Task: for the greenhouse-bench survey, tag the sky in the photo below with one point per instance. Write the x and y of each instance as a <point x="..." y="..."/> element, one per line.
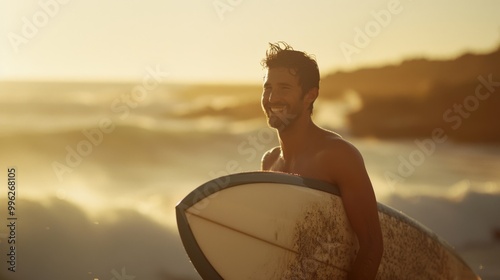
<point x="216" y="41"/>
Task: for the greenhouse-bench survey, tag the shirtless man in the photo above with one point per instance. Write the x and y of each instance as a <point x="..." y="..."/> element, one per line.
<point x="291" y="85"/>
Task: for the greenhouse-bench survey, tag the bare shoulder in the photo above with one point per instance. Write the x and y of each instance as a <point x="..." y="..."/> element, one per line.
<point x="270" y="157"/>
<point x="335" y="145"/>
<point x="342" y="161"/>
<point x="336" y="152"/>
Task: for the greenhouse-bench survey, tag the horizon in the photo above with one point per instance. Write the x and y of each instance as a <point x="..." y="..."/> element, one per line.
<point x="125" y="80"/>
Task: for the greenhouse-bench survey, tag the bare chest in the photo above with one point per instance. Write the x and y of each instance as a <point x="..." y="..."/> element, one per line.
<point x="306" y="167"/>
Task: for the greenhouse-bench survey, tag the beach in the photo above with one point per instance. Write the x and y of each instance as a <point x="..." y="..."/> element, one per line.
<point x="99" y="171"/>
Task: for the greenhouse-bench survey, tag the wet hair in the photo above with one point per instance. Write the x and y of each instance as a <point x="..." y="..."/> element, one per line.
<point x="280" y="54"/>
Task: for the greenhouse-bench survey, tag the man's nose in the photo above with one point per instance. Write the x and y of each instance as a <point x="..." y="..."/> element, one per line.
<point x="273" y="97"/>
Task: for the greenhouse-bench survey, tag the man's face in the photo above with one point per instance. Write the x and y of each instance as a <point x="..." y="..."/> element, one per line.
<point x="282" y="97"/>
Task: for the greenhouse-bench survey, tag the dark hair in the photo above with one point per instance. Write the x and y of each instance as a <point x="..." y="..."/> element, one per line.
<point x="299" y="63"/>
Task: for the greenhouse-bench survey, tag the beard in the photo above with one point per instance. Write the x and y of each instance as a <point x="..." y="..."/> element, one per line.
<point x="280" y="119"/>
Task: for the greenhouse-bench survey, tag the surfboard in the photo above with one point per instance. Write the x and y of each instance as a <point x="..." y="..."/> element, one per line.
<point x="266" y="225"/>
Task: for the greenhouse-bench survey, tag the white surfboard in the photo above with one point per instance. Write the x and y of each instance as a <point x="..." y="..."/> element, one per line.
<point x="264" y="225"/>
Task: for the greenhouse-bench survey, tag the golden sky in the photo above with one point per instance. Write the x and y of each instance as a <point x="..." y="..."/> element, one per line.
<point x="224" y="40"/>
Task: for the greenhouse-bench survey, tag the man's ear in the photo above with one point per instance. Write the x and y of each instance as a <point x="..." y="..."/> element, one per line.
<point x="311" y="95"/>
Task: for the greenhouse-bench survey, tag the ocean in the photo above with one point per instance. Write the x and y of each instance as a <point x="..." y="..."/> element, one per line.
<point x="99" y="168"/>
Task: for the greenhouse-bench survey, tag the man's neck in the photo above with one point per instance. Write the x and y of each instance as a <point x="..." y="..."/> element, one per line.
<point x="293" y="139"/>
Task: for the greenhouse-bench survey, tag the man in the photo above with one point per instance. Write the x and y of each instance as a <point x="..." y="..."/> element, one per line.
<point x="291" y="85"/>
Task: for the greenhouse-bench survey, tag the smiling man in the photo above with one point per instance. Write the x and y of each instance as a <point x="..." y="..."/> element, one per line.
<point x="291" y="85"/>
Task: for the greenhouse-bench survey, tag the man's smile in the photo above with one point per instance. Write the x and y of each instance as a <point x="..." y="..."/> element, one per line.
<point x="278" y="109"/>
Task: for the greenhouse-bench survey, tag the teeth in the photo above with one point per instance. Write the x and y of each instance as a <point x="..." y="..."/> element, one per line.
<point x="278" y="109"/>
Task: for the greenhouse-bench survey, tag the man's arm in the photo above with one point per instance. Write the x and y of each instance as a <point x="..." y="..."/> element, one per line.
<point x="345" y="163"/>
